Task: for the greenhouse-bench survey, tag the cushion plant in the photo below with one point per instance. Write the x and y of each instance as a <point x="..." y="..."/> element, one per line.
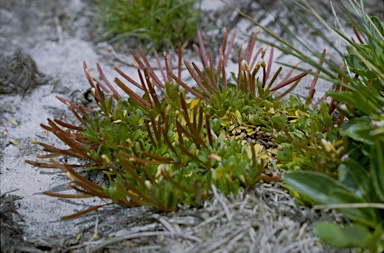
<point x="169" y="143"/>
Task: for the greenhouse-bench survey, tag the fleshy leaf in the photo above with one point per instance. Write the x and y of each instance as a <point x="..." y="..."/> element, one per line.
<point x="348" y="236"/>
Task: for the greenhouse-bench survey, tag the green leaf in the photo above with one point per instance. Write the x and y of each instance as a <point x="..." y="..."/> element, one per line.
<point x="380" y="28"/>
<point x="349" y="236"/>
<point x="324" y="111"/>
<point x="324" y="189"/>
<point x="358" y="129"/>
<point x="316" y="186"/>
<point x="364" y="215"/>
<point x="377" y="168"/>
<point x="355" y="64"/>
<point x="353" y="175"/>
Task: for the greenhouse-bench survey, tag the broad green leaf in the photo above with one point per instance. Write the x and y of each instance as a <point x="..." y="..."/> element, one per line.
<point x="365" y="215"/>
<point x="355" y="64"/>
<point x="353" y="175"/>
<point x="377" y="168"/>
<point x="349" y="236"/>
<point x="358" y="129"/>
<point x="324" y="189"/>
<point x="379" y="26"/>
<point x="316" y="186"/>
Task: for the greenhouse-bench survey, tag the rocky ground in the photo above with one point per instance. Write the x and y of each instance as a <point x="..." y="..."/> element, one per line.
<point x="43" y="44"/>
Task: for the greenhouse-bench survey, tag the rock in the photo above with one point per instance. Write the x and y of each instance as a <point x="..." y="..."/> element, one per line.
<point x="19" y="74"/>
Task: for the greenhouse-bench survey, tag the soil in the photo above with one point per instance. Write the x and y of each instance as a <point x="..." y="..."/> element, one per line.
<point x="43" y="45"/>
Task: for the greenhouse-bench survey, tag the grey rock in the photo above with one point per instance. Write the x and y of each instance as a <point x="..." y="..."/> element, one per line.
<point x="19" y="74"/>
